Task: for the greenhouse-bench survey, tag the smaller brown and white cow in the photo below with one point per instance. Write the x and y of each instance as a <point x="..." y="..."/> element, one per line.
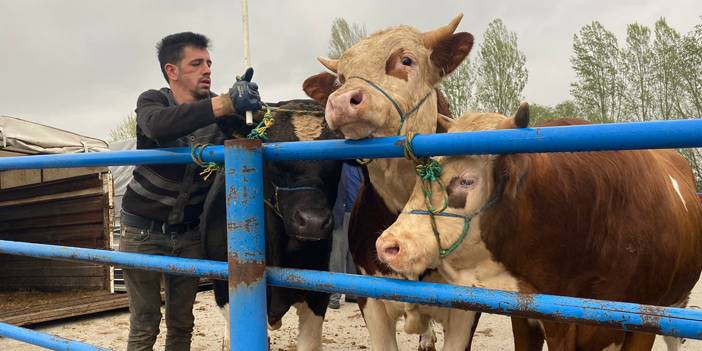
<point x="615" y="225"/>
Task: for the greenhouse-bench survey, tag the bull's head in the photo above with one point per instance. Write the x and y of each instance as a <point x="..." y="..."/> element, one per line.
<point x="385" y="83"/>
<point x="411" y="245"/>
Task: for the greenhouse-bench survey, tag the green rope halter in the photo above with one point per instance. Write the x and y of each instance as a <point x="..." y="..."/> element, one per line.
<point x="429" y="171"/>
<point x="210" y="168"/>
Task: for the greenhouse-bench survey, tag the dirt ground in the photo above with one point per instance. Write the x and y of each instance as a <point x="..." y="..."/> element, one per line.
<point x="343" y="330"/>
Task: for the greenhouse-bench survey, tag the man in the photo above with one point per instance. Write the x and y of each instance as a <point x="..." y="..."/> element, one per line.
<point x="341" y="260"/>
<point x="163" y="203"/>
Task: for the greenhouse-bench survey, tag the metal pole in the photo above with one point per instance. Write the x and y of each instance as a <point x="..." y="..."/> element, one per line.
<point x="614" y="136"/>
<point x="672" y="321"/>
<point x="48" y="341"/>
<point x="247" y="48"/>
<point x="166" y="264"/>
<point x="243" y="161"/>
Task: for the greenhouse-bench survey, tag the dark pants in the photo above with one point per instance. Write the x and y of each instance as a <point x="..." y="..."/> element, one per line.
<point x="144" y="289"/>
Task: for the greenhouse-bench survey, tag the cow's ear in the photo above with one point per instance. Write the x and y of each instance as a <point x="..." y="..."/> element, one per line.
<point x="320" y="86"/>
<point x="443" y="123"/>
<point x="448" y="49"/>
<point x="520" y="119"/>
<point x="450" y="52"/>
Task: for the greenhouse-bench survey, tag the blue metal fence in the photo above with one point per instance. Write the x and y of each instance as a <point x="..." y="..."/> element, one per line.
<point x="246" y="270"/>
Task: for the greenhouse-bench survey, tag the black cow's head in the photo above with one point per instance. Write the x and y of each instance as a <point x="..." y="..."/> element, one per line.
<point x="299" y="195"/>
<point x="302" y="193"/>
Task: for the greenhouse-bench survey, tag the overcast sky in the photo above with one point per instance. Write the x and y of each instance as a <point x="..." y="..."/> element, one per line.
<point x="80" y="65"/>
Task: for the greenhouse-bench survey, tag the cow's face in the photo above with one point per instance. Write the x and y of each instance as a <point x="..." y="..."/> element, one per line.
<point x="409" y="245"/>
<point x="401" y="62"/>
<point x="303" y="192"/>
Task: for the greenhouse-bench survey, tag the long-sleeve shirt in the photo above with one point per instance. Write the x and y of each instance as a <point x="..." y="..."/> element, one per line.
<point x="173" y="193"/>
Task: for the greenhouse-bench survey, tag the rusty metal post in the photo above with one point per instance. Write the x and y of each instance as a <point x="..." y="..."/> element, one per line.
<point x="243" y="161"/>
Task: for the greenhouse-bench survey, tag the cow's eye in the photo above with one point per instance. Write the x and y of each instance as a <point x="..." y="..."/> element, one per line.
<point x="406" y="61"/>
<point x="466" y="182"/>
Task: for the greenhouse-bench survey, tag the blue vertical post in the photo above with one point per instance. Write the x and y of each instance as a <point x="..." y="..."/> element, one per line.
<point x="246" y="244"/>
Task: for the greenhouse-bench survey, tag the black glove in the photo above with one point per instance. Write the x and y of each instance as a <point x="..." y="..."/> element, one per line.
<point x="244" y="94"/>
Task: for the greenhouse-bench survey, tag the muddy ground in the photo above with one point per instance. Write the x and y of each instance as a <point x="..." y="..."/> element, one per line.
<point x="343" y="330"/>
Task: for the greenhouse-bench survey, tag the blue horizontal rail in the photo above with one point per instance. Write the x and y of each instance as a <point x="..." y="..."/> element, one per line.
<point x="598" y="137"/>
<point x="627" y="316"/>
<point x="44" y="340"/>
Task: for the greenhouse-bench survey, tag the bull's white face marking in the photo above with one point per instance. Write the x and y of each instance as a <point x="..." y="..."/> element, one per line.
<point x="310" y="328"/>
<point x="307" y="127"/>
<point x="676" y="186"/>
<point x="472" y="265"/>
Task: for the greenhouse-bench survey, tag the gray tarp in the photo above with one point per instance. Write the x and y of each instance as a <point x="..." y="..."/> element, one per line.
<point x="32" y="138"/>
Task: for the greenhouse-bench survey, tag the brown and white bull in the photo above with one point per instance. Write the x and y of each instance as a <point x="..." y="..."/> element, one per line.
<point x="616" y="225"/>
<point x="384" y="86"/>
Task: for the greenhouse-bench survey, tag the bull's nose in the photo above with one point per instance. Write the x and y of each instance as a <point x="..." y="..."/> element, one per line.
<point x="345" y="107"/>
<point x="388" y="248"/>
<point x="313" y="223"/>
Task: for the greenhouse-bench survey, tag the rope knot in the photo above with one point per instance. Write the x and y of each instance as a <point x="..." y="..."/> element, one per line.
<point x="260" y="131"/>
<point x="429" y="170"/>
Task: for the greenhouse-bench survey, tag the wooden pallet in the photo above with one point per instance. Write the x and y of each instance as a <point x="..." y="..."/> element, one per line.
<point x="32" y="308"/>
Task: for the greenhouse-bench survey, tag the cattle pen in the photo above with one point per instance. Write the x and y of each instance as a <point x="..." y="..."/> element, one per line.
<point x="248" y="275"/>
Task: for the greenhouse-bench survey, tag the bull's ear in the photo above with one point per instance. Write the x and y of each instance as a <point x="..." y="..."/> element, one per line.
<point x="320" y="86"/>
<point x="443" y="123"/>
<point x="449" y="53"/>
<point x="520" y="119"/>
<point x="448" y="49"/>
<point x="330" y="64"/>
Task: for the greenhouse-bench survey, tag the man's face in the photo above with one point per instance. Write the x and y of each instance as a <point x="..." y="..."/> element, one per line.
<point x="193" y="72"/>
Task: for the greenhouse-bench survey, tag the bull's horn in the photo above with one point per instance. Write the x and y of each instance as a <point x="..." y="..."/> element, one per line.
<point x="430" y="39"/>
<point x="330" y="64"/>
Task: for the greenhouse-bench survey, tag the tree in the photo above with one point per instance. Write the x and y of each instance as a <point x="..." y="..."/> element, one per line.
<point x="598" y="90"/>
<point x="501" y="70"/>
<point x="637" y="67"/>
<point x="691" y="73"/>
<point x="666" y="71"/>
<point x="343" y="36"/>
<point x="459" y="88"/>
<point x="125" y="129"/>
<point x="567" y="108"/>
<point x="539" y="112"/>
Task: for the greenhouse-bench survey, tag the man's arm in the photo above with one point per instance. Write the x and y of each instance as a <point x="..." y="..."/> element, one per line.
<point x="161" y="122"/>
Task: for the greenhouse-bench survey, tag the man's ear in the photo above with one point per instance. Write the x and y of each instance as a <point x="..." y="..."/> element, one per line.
<point x="320" y="86"/>
<point x="171" y="71"/>
<point x="443" y="123"/>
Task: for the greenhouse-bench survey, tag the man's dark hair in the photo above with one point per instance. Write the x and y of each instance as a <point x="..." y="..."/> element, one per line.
<point x="170" y="48"/>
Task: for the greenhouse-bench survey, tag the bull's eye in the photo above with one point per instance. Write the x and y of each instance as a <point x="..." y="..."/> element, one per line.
<point x="406" y="61"/>
<point x="466" y="182"/>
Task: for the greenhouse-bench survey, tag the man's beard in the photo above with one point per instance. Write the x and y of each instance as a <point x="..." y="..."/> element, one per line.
<point x="201" y="94"/>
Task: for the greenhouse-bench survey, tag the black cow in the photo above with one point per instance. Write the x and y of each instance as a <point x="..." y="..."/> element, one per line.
<point x="299" y="197"/>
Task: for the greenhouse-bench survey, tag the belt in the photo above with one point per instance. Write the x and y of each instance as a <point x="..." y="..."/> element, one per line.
<point x="140" y="222"/>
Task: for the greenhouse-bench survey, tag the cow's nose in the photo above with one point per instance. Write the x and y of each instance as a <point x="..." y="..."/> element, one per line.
<point x="313" y="223"/>
<point x="388" y="248"/>
<point x="347" y="104"/>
